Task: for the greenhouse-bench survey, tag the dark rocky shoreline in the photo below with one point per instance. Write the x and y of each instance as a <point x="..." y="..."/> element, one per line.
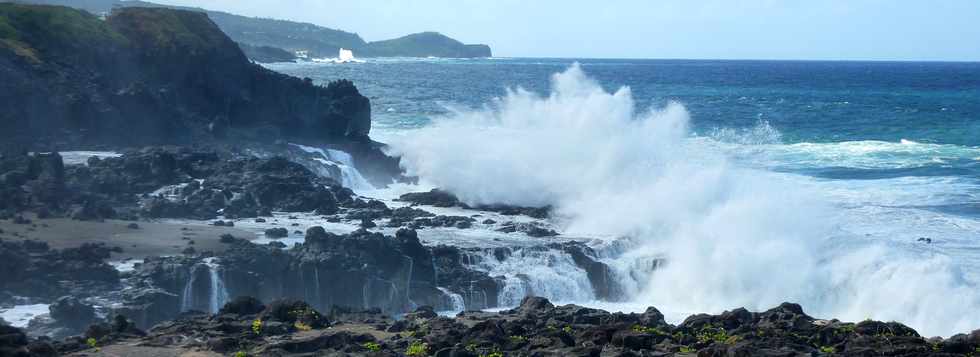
<point x="224" y="134"/>
<point x="246" y="327"/>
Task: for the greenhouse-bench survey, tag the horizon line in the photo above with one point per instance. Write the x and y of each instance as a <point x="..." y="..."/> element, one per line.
<point x="741" y="59"/>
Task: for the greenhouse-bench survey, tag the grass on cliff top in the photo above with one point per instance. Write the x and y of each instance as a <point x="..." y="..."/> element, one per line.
<point x="168" y="30"/>
<point x="30" y="30"/>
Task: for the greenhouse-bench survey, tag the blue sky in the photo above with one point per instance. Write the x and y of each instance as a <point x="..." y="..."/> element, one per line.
<point x="708" y="29"/>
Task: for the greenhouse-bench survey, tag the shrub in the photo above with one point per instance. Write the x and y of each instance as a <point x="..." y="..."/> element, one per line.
<point x="649" y="330"/>
<point x="418" y="349"/>
<point x="257" y="326"/>
<point x="92" y="343"/>
<point x="299" y="325"/>
<point x="372" y="346"/>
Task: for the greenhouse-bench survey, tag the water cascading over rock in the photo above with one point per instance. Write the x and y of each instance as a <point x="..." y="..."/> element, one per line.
<point x="208" y="294"/>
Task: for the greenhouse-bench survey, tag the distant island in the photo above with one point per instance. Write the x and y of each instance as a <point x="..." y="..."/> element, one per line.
<point x="271" y="40"/>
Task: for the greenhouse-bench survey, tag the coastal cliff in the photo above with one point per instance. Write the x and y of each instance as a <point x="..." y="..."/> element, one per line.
<point x="317" y="41"/>
<point x="153" y="75"/>
<point x="424" y="44"/>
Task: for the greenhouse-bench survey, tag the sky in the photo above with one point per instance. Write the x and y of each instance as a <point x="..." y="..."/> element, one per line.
<point x="945" y="30"/>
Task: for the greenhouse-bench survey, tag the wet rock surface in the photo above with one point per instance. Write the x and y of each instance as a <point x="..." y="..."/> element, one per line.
<point x="166" y="182"/>
<point x="30" y="269"/>
<point x="441" y="198"/>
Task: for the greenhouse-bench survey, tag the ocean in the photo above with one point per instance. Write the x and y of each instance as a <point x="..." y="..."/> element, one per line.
<point x="852" y="188"/>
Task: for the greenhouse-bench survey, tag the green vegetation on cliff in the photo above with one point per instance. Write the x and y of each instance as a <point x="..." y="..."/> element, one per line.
<point x="424" y="44"/>
<point x="293" y="36"/>
<point x="152" y="75"/>
<point x="40" y="32"/>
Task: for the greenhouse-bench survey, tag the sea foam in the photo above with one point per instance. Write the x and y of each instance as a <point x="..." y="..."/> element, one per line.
<point x="731" y="235"/>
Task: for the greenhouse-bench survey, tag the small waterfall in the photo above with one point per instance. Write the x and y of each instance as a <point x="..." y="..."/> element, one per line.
<point x="187" y="302"/>
<point x="408" y="283"/>
<point x="364" y="295"/>
<point x="456" y="301"/>
<point x="302" y="282"/>
<point x="316" y="275"/>
<point x="514" y="291"/>
<point x="435" y="270"/>
<point x="219" y="294"/>
<point x="392" y="293"/>
<point x="349" y="176"/>
<point x="543" y="272"/>
<point x="352" y="177"/>
<point x="477" y="297"/>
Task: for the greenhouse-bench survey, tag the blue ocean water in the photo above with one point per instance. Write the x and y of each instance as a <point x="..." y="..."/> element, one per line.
<point x="807" y="101"/>
<point x="892" y="147"/>
<point x="871" y="108"/>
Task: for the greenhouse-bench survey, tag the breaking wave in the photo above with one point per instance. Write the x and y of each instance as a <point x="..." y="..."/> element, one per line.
<point x="732" y="234"/>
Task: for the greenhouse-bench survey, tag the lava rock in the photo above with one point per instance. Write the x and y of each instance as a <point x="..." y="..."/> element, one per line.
<point x="277" y="233"/>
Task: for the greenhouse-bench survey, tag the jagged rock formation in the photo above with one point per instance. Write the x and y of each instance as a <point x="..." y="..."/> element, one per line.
<point x="165" y="182"/>
<point x="30" y="269"/>
<point x="266" y="54"/>
<point x="535" y="328"/>
<point x="440" y="198"/>
<point x="360" y="270"/>
<point x="68" y="78"/>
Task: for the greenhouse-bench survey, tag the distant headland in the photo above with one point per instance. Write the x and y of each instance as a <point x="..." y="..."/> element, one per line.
<point x="260" y="38"/>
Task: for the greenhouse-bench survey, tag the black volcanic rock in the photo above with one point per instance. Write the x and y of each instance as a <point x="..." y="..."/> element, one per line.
<point x="277" y="232"/>
<point x="266" y="54"/>
<point x="435" y="197"/>
<point x="535" y="328"/>
<point x="362" y="269"/>
<point x="441" y="198"/>
<point x="31" y="269"/>
<point x="69" y="311"/>
<point x="152" y="75"/>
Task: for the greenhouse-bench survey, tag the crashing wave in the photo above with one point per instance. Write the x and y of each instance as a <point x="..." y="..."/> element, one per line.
<point x="730" y="234"/>
<point x="343" y="56"/>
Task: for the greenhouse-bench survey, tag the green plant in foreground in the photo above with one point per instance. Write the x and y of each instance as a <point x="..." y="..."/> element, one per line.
<point x="567" y="329"/>
<point x="649" y="330"/>
<point x="257" y="326"/>
<point x="418" y="349"/>
<point x="827" y="349"/>
<point x="712" y="334"/>
<point x="299" y="325"/>
<point x="685" y="349"/>
<point x="241" y="354"/>
<point x="494" y="354"/>
<point x="372" y="346"/>
<point x="92" y="343"/>
<point x="518" y="339"/>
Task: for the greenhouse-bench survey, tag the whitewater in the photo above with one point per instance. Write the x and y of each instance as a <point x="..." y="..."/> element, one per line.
<point x="732" y="222"/>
